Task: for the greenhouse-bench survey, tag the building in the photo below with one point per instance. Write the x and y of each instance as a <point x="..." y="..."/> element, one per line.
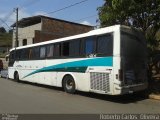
<point x="41" y="28"/>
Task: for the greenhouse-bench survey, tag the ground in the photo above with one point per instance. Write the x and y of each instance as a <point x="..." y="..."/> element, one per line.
<point x="25" y="98"/>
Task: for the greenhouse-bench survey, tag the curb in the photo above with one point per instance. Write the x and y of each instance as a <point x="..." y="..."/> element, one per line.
<point x="155" y="97"/>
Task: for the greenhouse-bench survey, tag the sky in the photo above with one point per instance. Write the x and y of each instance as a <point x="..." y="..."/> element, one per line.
<point x="84" y="13"/>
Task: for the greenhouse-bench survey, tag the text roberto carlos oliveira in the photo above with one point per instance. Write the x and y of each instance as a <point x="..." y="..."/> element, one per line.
<point x="129" y="116"/>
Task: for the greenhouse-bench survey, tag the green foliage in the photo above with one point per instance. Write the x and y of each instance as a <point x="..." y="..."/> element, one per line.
<point x="143" y="14"/>
<point x="158" y="36"/>
<point x="2" y="55"/>
<point x="2" y="30"/>
<point x="5" y="39"/>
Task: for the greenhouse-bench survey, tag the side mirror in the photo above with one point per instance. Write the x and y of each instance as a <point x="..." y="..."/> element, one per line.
<point x="6" y="58"/>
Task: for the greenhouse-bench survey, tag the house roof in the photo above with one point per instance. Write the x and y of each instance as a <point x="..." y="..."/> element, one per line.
<point x="24" y="22"/>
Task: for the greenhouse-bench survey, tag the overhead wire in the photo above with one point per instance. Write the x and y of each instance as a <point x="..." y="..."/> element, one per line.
<point x="91" y="16"/>
<point x="88" y="17"/>
<point x="7" y="16"/>
<point x="5" y="19"/>
<point x="5" y="23"/>
<point x="61" y="9"/>
<point x="66" y="7"/>
<point x="21" y="7"/>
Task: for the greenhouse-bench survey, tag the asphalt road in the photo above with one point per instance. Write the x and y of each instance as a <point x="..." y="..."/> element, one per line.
<point x="25" y="98"/>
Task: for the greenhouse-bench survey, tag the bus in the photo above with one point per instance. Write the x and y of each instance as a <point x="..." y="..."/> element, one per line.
<point x="110" y="60"/>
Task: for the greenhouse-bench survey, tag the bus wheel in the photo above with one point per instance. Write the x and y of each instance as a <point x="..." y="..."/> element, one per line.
<point x="16" y="76"/>
<point x="69" y="84"/>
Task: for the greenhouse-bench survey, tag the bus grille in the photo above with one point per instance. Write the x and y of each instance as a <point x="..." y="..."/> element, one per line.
<point x="99" y="81"/>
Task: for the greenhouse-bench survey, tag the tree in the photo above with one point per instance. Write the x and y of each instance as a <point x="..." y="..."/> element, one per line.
<point x="11" y="31"/>
<point x="2" y="30"/>
<point x="143" y="14"/>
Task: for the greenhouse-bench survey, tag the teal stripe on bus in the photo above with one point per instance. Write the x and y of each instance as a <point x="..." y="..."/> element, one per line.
<point x="77" y="66"/>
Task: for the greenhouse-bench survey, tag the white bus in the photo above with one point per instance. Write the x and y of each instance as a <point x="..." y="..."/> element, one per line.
<point x="109" y="60"/>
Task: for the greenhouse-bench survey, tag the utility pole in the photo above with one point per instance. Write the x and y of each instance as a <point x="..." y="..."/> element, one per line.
<point x="16" y="44"/>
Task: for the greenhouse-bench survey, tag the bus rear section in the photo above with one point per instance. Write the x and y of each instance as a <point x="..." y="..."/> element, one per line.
<point x="133" y="72"/>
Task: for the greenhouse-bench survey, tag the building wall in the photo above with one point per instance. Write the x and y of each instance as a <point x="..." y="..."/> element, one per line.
<point x="48" y="29"/>
<point x="41" y="36"/>
<point x="26" y="33"/>
<point x="53" y="29"/>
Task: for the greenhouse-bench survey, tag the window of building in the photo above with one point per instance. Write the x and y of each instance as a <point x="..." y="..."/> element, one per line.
<point x="24" y="42"/>
<point x="42" y="52"/>
<point x="33" y="40"/>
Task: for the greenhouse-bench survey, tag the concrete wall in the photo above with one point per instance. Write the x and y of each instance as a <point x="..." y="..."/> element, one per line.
<point x="26" y="33"/>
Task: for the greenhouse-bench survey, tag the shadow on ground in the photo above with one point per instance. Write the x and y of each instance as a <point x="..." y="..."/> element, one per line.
<point x="154" y="87"/>
<point x="123" y="99"/>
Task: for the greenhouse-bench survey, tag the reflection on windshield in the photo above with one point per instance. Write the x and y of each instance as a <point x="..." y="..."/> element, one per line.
<point x="132" y="46"/>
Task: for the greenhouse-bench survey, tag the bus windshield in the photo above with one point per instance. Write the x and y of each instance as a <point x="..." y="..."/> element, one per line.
<point x="133" y="56"/>
<point x="132" y="45"/>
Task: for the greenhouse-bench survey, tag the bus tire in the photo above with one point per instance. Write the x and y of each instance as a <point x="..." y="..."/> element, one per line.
<point x="69" y="84"/>
<point x="16" y="76"/>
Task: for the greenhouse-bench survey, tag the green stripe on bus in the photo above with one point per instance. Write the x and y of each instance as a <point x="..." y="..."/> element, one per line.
<point x="77" y="66"/>
<point x="68" y="69"/>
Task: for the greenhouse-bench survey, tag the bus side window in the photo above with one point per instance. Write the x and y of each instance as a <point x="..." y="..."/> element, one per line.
<point x="18" y="54"/>
<point x="36" y="53"/>
<point x="74" y="48"/>
<point x="105" y="45"/>
<point x="89" y="45"/>
<point x="50" y="50"/>
<point x="31" y="54"/>
<point x="25" y="54"/>
<point x="65" y="49"/>
<point x="42" y="52"/>
<point x="57" y="50"/>
<point x="11" y="58"/>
